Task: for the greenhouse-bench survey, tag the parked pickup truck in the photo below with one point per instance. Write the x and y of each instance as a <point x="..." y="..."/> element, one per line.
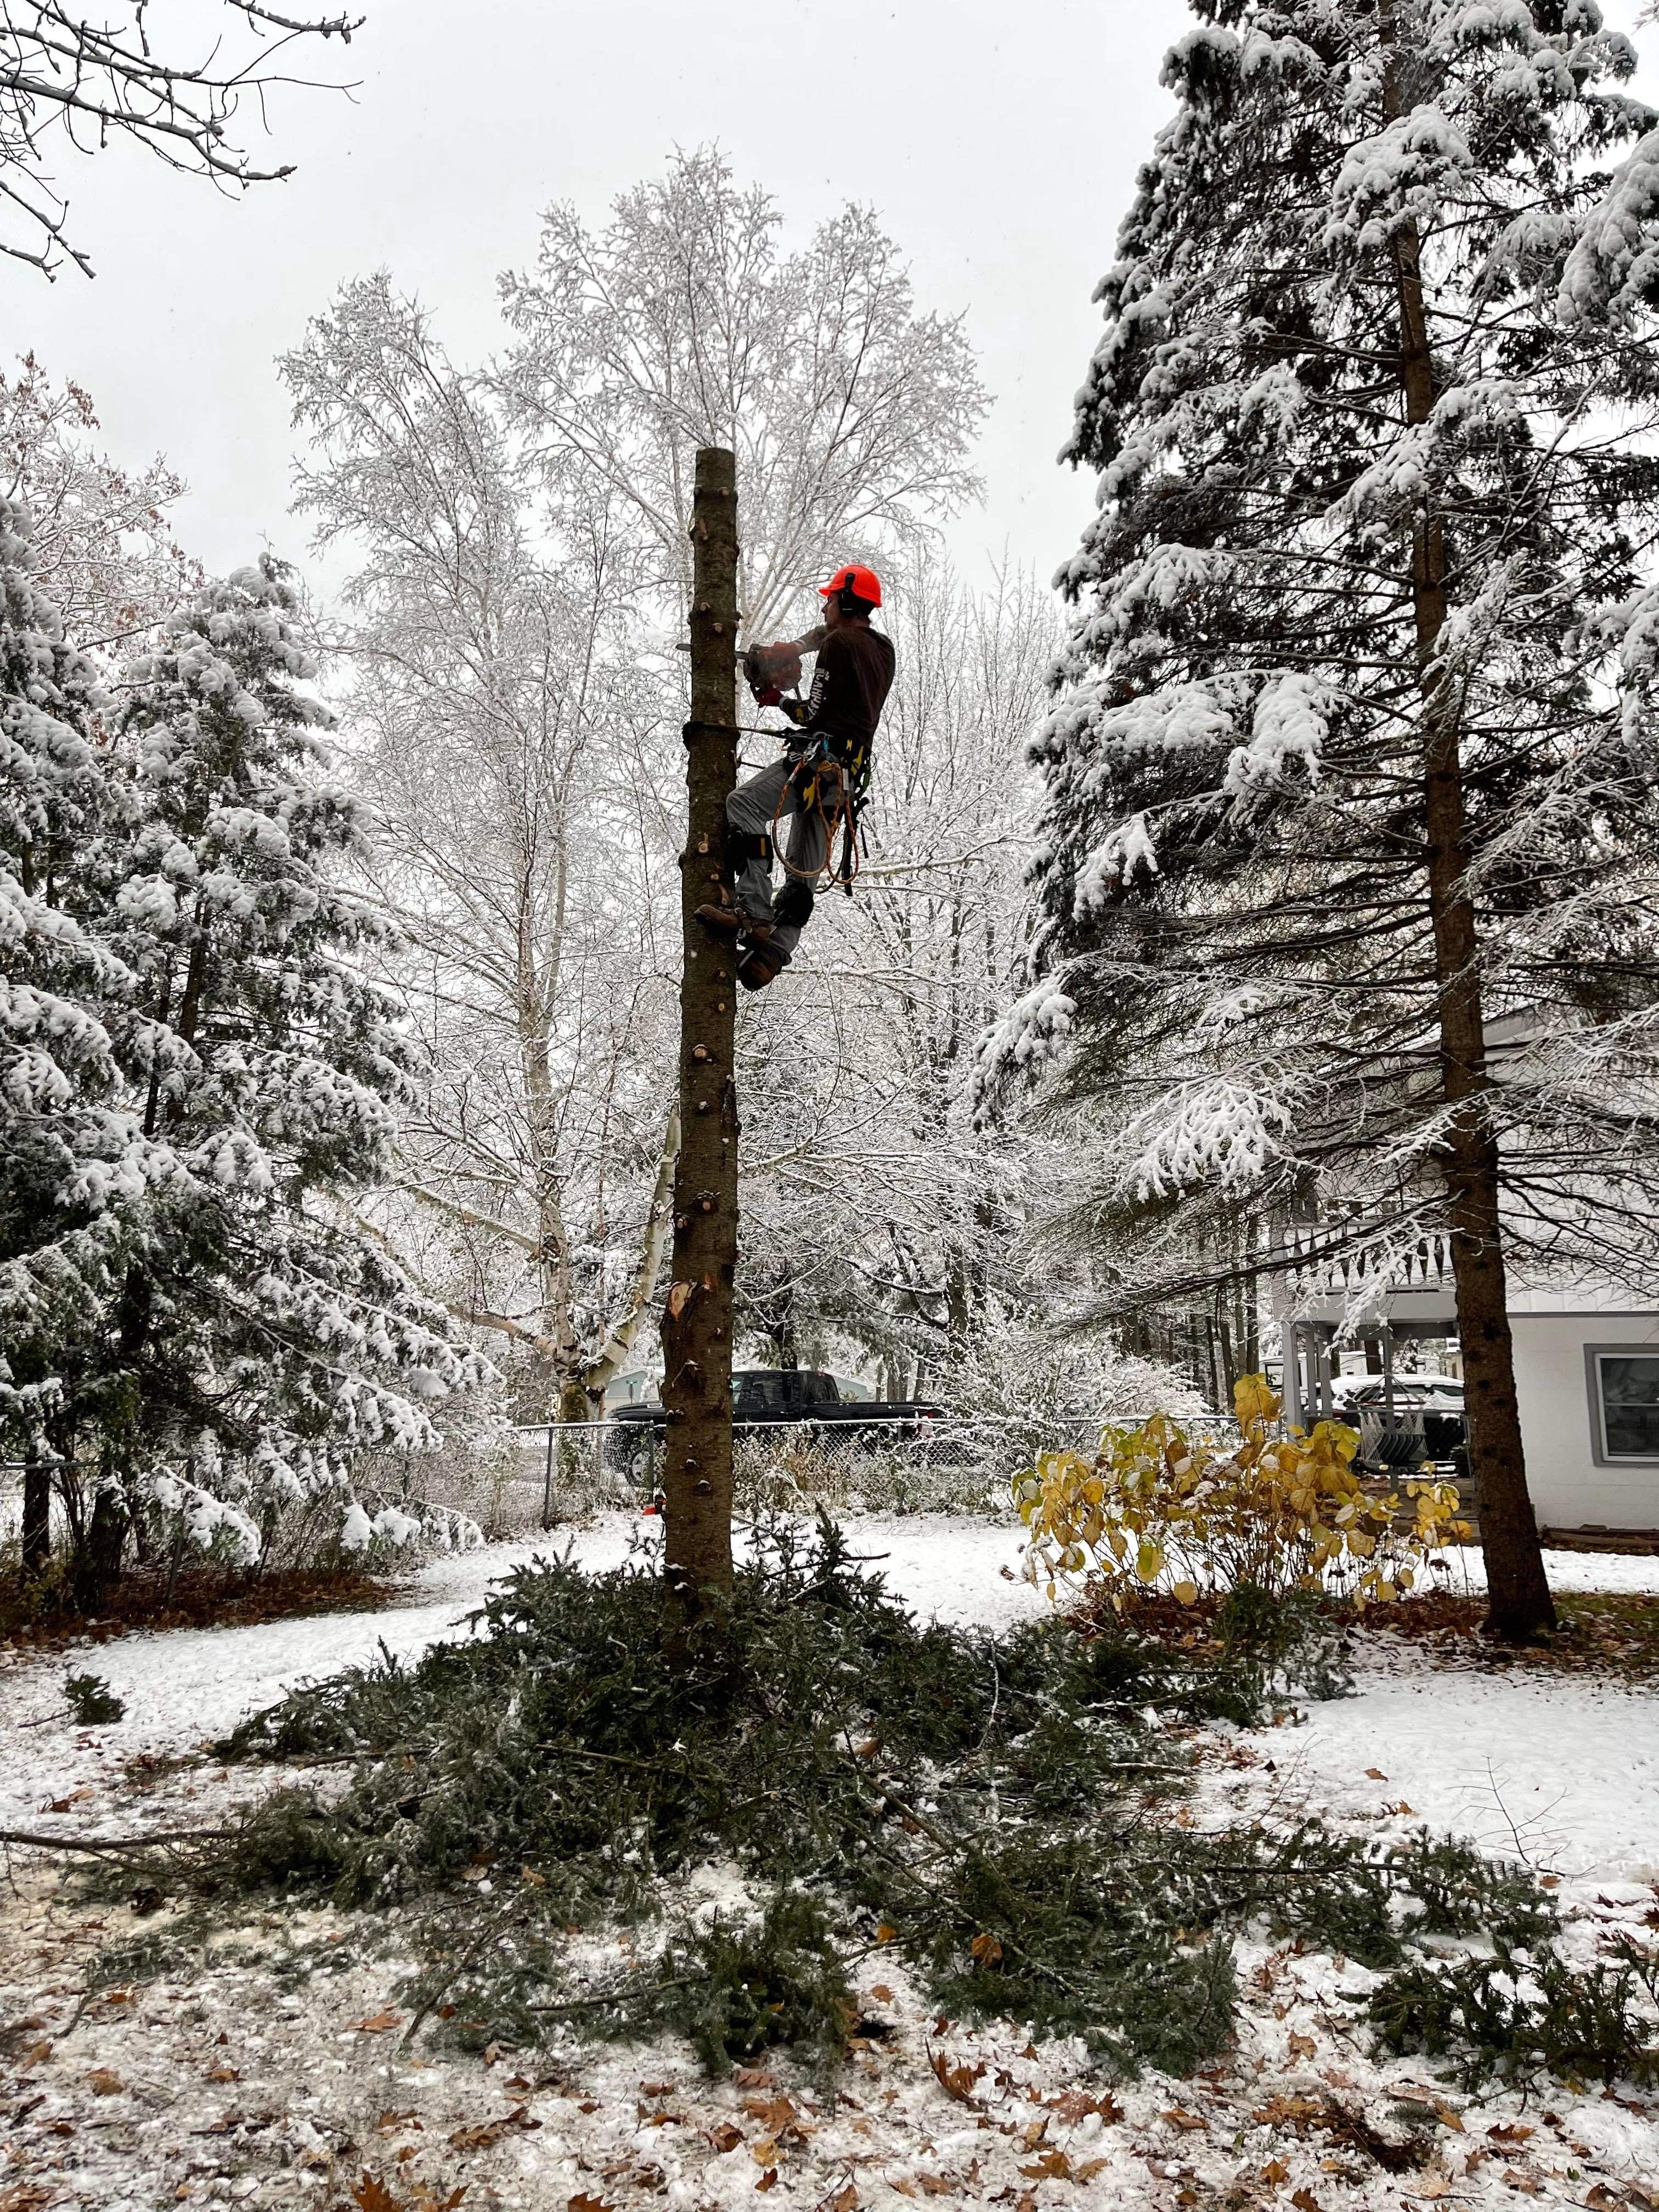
<point x="768" y="1396"/>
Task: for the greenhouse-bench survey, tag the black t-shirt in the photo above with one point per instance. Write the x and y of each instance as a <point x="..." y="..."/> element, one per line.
<point x="850" y="684"/>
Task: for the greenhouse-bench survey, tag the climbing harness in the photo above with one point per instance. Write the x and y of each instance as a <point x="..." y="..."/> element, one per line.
<point x="818" y="765"/>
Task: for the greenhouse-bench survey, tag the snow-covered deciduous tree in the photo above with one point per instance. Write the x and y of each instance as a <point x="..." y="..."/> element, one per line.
<point x="683" y="324"/>
<point x="1352" y="821"/>
<point x="517" y="753"/>
<point x="872" y="1205"/>
<point x="103" y="549"/>
<point x="70" y="1155"/>
<point x="258" y="1335"/>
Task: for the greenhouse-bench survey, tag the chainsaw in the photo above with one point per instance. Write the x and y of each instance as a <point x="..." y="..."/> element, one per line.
<point x="770" y="671"/>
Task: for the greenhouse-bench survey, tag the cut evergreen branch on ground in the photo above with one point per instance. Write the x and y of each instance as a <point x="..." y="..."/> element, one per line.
<point x="549" y="1808"/>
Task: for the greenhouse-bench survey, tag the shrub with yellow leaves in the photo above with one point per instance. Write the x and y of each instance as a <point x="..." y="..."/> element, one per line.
<point x="1283" y="1510"/>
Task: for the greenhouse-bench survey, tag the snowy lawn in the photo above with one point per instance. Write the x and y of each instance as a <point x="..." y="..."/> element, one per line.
<point x="233" y="2081"/>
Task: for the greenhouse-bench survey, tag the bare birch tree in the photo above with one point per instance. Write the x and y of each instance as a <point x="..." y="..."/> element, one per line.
<point x="683" y="324"/>
<point x="514" y="753"/>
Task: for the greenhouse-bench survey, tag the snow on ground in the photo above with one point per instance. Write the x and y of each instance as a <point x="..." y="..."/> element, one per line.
<point x="1560" y="1771"/>
<point x="184" y="1686"/>
<point x="235" y="2079"/>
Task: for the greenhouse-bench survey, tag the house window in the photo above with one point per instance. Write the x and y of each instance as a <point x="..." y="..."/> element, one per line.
<point x="1624" y="1388"/>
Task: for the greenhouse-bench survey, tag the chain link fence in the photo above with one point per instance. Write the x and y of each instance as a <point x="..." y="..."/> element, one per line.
<point x="546" y="1475"/>
<point x="899" y="1463"/>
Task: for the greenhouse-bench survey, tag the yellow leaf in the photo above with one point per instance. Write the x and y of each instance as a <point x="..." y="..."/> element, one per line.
<point x="1149" y="1561"/>
<point x="1186" y="1593"/>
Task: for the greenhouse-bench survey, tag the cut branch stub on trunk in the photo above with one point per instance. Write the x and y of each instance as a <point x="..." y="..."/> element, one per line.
<point x="696" y="1329"/>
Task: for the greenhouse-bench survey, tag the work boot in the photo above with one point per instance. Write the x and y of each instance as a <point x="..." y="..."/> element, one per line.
<point x="731" y="922"/>
<point x="762" y="963"/>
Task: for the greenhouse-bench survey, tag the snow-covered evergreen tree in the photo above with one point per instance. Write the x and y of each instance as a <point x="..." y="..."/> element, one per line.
<point x="1353" y="812"/>
<point x="260" y="1335"/>
<point x="69" y="1153"/>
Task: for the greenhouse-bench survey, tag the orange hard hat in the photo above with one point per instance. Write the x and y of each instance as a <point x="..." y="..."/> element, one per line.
<point x="863" y="583"/>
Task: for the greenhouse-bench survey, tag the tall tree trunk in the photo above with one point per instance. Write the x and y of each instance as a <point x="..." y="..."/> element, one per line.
<point x="1518" y="1592"/>
<point x="696" y="1329"/>
<point x="37" y="1518"/>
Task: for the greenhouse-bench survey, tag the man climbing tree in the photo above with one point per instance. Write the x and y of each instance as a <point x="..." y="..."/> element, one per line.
<point x="820" y="783"/>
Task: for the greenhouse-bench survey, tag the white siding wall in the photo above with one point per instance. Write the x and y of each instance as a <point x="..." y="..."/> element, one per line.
<point x="1568" y="1490"/>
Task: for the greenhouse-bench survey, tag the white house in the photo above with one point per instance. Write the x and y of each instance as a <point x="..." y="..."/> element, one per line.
<point x="1587" y="1375"/>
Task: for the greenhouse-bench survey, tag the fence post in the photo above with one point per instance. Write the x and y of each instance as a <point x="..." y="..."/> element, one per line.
<point x="547" y="1485"/>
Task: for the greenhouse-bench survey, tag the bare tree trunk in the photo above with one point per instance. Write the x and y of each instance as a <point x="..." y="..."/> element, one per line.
<point x="609" y="1360"/>
<point x="37" y="1518"/>
<point x="1518" y="1595"/>
<point x="696" y="1329"/>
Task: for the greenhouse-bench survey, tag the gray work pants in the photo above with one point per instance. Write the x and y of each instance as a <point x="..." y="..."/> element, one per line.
<point x="751" y="809"/>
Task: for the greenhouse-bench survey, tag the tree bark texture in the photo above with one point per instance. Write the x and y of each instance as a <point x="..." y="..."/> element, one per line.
<point x="37" y="1518"/>
<point x="1518" y="1595"/>
<point x="696" y="1329"/>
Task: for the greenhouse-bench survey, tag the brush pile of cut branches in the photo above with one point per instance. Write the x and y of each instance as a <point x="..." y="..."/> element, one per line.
<point x="546" y="1803"/>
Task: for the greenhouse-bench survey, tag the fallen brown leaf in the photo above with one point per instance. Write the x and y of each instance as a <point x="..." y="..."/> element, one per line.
<point x="105" y="2081"/>
<point x="956" y="2082"/>
<point x="1053" y="2166"/>
<point x="1075" y="2105"/>
<point x="881" y="1993"/>
<point x="726" y="2137"/>
<point x="769" y="2179"/>
<point x="377" y="2023"/>
<point x="1180" y="2119"/>
<point x="1305" y="2200"/>
<point x="490" y="2132"/>
<point x="1275" y="2170"/>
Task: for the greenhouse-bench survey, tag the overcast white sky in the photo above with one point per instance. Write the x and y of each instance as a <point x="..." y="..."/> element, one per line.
<point x="998" y="138"/>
